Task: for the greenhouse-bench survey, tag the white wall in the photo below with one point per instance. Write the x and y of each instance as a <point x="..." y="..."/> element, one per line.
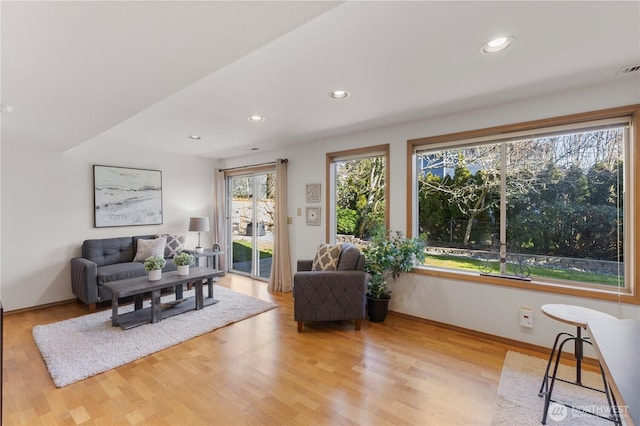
<point x="47" y="200"/>
<point x="55" y="191"/>
<point x="485" y="308"/>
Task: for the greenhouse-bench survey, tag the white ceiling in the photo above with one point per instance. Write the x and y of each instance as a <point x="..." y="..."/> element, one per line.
<point x="152" y="73"/>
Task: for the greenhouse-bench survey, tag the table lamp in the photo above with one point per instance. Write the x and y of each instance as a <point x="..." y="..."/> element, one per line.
<point x="199" y="224"/>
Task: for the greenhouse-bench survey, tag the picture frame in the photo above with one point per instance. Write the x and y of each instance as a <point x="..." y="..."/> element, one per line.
<point x="313" y="216"/>
<point x="124" y="196"/>
<point x="313" y="192"/>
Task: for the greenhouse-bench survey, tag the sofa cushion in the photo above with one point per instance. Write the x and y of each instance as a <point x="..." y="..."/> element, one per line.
<point x="348" y="258"/>
<point x="327" y="257"/>
<point x="149" y="248"/>
<point x="120" y="271"/>
<point x="108" y="251"/>
<point x="169" y="266"/>
<point x="174" y="245"/>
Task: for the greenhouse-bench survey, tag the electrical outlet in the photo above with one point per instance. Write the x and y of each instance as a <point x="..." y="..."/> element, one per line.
<point x="299" y="211"/>
<point x="526" y="317"/>
<point x="289" y="220"/>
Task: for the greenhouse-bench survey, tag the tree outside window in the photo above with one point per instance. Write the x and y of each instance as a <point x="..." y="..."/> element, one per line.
<point x="553" y="203"/>
<point x="358" y="198"/>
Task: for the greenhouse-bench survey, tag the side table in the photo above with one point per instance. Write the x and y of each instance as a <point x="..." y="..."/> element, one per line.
<point x="208" y="254"/>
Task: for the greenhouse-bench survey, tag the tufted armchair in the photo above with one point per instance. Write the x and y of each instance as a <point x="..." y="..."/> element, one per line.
<point x="331" y="295"/>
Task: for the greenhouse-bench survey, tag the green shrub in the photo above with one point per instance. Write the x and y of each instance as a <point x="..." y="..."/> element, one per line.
<point x="347" y="221"/>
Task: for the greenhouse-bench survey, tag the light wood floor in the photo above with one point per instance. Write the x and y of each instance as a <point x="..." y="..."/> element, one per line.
<point x="262" y="371"/>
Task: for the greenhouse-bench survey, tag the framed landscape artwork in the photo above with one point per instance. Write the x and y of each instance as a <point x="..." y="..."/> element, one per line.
<point x="126" y="197"/>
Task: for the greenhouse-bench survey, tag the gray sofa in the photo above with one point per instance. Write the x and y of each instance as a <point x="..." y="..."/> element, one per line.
<point x="331" y="295"/>
<point x="106" y="260"/>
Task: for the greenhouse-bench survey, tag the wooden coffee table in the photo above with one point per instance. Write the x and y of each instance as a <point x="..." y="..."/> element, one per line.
<point x="137" y="286"/>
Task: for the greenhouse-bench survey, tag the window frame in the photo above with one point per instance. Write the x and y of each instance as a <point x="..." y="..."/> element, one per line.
<point x="365" y="152"/>
<point x="630" y="295"/>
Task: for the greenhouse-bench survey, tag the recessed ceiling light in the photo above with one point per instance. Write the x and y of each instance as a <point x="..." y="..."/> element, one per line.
<point x="497" y="44"/>
<point x="256" y="118"/>
<point x="340" y="94"/>
<point x="195" y="137"/>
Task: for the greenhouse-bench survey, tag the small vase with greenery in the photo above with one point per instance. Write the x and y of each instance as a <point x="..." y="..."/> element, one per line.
<point x="154" y="265"/>
<point x="388" y="256"/>
<point x="182" y="261"/>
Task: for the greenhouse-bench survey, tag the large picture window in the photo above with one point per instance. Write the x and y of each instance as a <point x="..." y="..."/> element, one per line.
<point x="542" y="204"/>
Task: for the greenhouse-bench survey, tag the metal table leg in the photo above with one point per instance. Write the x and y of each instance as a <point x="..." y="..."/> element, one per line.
<point x="578" y="348"/>
<point x="548" y="388"/>
<point x="545" y="380"/>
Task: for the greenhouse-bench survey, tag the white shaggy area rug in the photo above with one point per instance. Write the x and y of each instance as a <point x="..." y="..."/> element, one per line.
<point x="517" y="401"/>
<point x="82" y="347"/>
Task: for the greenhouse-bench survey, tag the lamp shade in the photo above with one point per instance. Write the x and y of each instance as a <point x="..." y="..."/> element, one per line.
<point x="200" y="224"/>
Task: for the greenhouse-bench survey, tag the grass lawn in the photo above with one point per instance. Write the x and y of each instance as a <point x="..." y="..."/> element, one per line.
<point x="242" y="251"/>
<point x="470" y="264"/>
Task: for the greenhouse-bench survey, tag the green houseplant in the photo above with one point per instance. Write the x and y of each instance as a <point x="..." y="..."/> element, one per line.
<point x="388" y="256"/>
<point x="154" y="265"/>
<point x="182" y="261"/>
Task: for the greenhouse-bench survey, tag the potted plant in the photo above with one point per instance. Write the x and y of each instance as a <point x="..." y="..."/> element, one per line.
<point x="388" y="256"/>
<point x="182" y="261"/>
<point x="154" y="265"/>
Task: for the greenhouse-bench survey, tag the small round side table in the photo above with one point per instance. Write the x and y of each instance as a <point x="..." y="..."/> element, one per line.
<point x="578" y="317"/>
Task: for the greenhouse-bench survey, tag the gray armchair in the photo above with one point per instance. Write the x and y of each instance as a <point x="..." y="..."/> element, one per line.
<point x="331" y="295"/>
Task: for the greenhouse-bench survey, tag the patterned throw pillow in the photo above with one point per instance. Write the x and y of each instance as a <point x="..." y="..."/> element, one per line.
<point x="327" y="257"/>
<point x="148" y="248"/>
<point x="175" y="245"/>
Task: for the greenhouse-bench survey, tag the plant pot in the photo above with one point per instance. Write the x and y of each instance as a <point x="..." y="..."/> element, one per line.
<point x="155" y="275"/>
<point x="377" y="309"/>
<point x="183" y="269"/>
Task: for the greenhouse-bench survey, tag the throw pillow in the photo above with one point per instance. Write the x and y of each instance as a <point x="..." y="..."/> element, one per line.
<point x="327" y="257"/>
<point x="349" y="258"/>
<point x="148" y="248"/>
<point x="174" y="246"/>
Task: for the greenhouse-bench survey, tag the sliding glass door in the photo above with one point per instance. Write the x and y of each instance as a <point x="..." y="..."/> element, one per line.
<point x="251" y="214"/>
